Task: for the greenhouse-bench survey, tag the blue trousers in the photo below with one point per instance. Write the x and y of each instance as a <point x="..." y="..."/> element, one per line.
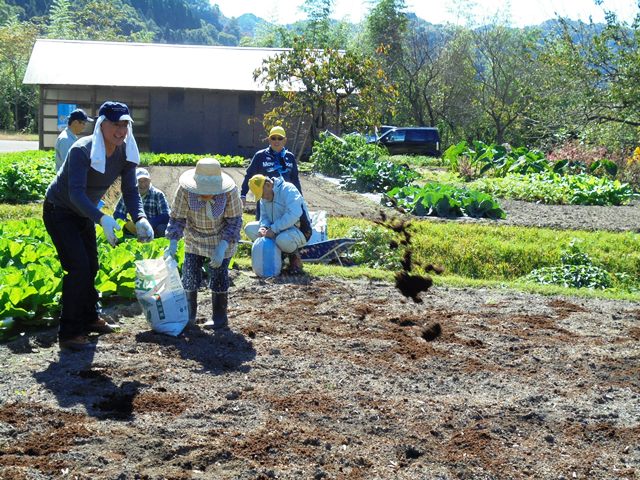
<point x="75" y="240"/>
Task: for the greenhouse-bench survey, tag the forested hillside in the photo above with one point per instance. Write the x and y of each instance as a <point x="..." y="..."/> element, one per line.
<point x="560" y="85"/>
<point x="172" y="21"/>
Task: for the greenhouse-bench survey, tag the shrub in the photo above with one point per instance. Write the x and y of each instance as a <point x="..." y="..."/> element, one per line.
<point x="25" y="176"/>
<point x="630" y="171"/>
<point x="333" y="155"/>
<point x="577" y="153"/>
<point x="377" y="176"/>
<point x="373" y="248"/>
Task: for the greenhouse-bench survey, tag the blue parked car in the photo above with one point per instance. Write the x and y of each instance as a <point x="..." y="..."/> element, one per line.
<point x="409" y="140"/>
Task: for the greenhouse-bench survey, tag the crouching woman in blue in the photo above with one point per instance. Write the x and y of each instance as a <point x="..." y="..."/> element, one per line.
<point x="207" y="212"/>
<point x="284" y="217"/>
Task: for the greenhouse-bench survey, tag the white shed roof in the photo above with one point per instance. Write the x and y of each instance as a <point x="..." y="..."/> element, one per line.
<point x="74" y="62"/>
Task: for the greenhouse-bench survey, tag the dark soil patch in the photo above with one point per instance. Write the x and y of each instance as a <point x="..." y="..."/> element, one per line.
<point x="335" y="379"/>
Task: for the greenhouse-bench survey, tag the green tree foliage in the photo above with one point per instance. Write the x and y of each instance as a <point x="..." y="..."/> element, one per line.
<point x="7" y="12"/>
<point x="318" y="22"/>
<point x="61" y="23"/>
<point x="608" y="65"/>
<point x="386" y="26"/>
<point x="16" y="100"/>
<point x="503" y="67"/>
<point x="329" y="88"/>
<point x="110" y="20"/>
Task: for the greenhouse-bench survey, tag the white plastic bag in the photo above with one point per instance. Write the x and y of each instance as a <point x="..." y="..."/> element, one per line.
<point x="160" y="293"/>
<point x="266" y="257"/>
<point x="319" y="227"/>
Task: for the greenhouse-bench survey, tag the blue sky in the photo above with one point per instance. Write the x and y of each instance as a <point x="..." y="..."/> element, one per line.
<point x="520" y="12"/>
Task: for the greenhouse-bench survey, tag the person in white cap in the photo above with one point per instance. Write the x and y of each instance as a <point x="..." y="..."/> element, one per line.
<point x="70" y="212"/>
<point x="154" y="203"/>
<point x="207" y="212"/>
<point x="75" y="125"/>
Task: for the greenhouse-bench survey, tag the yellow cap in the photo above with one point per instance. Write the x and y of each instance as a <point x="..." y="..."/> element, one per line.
<point x="256" y="184"/>
<point x="277" y="131"/>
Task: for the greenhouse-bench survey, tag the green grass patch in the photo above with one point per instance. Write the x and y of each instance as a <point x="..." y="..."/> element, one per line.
<point x="520" y="286"/>
<point x="20" y="212"/>
<point x="508" y="253"/>
<point x="29" y="137"/>
<point x="417" y="160"/>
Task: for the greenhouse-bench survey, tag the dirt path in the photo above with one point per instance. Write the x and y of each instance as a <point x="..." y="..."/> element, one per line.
<point x="319" y="194"/>
<point x="323" y="195"/>
<point x="321" y="378"/>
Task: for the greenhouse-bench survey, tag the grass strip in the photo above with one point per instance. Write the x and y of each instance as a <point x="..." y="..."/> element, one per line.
<point x="506" y="253"/>
<point x="22" y="211"/>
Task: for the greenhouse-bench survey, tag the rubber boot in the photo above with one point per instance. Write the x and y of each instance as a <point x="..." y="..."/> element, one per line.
<point x="192" y="303"/>
<point x="295" y="264"/>
<point x="219" y="319"/>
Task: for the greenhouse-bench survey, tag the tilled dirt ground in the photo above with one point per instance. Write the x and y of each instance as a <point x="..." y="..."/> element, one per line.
<point x="322" y="378"/>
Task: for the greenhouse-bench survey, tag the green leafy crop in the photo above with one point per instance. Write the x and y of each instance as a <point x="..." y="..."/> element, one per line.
<point x="25" y="176"/>
<point x="553" y="188"/>
<point x="441" y="200"/>
<point x="187" y="159"/>
<point x="31" y="275"/>
<point x="576" y="270"/>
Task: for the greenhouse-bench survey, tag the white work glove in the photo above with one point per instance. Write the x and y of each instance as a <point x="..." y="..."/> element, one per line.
<point x="109" y="225"/>
<point x="218" y="254"/>
<point x="144" y="230"/>
<point x="170" y="251"/>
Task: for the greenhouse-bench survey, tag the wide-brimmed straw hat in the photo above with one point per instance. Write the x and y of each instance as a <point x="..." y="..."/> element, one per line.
<point x="207" y="178"/>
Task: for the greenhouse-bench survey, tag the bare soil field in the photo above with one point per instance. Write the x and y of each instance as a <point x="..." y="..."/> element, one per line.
<point x="320" y="378"/>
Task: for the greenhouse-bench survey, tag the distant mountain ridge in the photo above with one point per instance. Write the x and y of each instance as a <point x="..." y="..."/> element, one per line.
<point x="198" y="22"/>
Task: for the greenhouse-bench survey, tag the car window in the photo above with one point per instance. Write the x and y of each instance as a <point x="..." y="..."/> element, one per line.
<point x="422" y="136"/>
<point x="396" y="136"/>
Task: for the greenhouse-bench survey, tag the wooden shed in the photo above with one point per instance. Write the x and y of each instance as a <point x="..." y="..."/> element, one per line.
<point x="183" y="98"/>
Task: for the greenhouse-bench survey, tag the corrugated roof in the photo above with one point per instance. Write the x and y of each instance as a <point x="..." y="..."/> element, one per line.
<point x="74" y="62"/>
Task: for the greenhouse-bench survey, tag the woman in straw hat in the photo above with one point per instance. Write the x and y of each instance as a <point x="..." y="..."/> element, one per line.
<point x="207" y="212"/>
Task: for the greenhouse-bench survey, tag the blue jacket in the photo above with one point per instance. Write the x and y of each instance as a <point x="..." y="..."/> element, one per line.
<point x="274" y="165"/>
<point x="286" y="210"/>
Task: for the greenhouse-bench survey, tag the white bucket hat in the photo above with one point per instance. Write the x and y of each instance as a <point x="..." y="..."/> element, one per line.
<point x="207" y="178"/>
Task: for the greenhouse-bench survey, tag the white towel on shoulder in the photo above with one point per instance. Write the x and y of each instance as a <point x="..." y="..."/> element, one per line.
<point x="99" y="151"/>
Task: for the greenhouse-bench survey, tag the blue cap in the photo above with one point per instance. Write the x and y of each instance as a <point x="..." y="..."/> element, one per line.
<point x="115" y="111"/>
<point x="79" y="114"/>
